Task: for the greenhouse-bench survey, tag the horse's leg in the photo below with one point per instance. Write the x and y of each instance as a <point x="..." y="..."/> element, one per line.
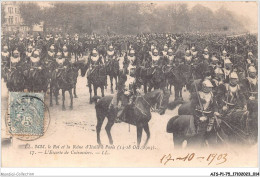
<point x="63" y="100"/>
<point x="90" y="92"/>
<point x="95" y="91"/>
<point x="145" y="87"/>
<point x="181" y="93"/>
<point x="139" y="134"/>
<point x="100" y="120"/>
<point x="176" y="92"/>
<point x="111" y="84"/>
<point x="102" y="91"/>
<point x="108" y="127"/>
<point x="147" y="131"/>
<point x="71" y="99"/>
<point x="116" y="81"/>
<point x="56" y="93"/>
<point x="51" y="90"/>
<point x="74" y="91"/>
<point x="177" y="140"/>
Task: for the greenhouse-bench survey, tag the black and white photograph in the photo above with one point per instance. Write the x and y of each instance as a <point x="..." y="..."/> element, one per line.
<point x="129" y="84"/>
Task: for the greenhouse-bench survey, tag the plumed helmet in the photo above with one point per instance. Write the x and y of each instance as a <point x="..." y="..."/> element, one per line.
<point x="224" y="51"/>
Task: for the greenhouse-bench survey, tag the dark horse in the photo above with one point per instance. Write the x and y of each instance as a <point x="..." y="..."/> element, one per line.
<point x="112" y="70"/>
<point x="139" y="114"/>
<point x="179" y="77"/>
<point x="95" y="77"/>
<point x="157" y="79"/>
<point x="185" y="127"/>
<point x="63" y="79"/>
<point x="15" y="80"/>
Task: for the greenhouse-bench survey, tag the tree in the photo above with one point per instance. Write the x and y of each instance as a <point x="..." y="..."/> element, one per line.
<point x="31" y="13"/>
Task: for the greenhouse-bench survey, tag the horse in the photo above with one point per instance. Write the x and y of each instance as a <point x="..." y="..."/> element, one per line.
<point x="157" y="80"/>
<point x="185" y="127"/>
<point x="179" y="77"/>
<point x="37" y="79"/>
<point x="15" y="80"/>
<point x="96" y="77"/>
<point x="63" y="79"/>
<point x="139" y="114"/>
<point x="112" y="70"/>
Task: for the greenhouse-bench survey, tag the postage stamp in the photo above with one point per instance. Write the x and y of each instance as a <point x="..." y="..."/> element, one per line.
<point x="26" y="113"/>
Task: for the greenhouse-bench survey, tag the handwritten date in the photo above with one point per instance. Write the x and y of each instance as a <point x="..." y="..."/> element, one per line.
<point x="215" y="158"/>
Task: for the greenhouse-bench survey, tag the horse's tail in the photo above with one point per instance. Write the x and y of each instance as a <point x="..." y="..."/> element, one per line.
<point x="170" y="124"/>
<point x="174" y="104"/>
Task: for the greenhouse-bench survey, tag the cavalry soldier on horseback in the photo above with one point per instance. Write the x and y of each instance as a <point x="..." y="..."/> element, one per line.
<point x="250" y="84"/>
<point x="204" y="107"/>
<point x="206" y="54"/>
<point x="233" y="100"/>
<point x="193" y="52"/>
<point x="250" y="88"/>
<point x="170" y="58"/>
<point x="110" y="55"/>
<point x="165" y="51"/>
<point x="95" y="60"/>
<point x="15" y="67"/>
<point x="188" y="57"/>
<point x="224" y="57"/>
<point x="251" y="60"/>
<point x="66" y="54"/>
<point x="28" y="53"/>
<point x="51" y="53"/>
<point x="5" y="56"/>
<point x="228" y="67"/>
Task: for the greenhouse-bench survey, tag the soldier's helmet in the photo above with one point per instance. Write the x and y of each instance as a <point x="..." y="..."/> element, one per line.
<point x="207" y="86"/>
<point x="165" y="47"/>
<point x="59" y="55"/>
<point x="187" y="52"/>
<point x="170" y="52"/>
<point x="224" y="51"/>
<point x="218" y="71"/>
<point x="16" y="53"/>
<point x="155" y="52"/>
<point x="206" y="50"/>
<point x="233" y="79"/>
<point x="111" y="47"/>
<point x="52" y="47"/>
<point x="132" y="52"/>
<point x="192" y="48"/>
<point x="94" y="52"/>
<point x="36" y="53"/>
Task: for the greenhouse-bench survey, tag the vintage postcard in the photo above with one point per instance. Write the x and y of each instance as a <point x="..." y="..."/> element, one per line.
<point x="129" y="84"/>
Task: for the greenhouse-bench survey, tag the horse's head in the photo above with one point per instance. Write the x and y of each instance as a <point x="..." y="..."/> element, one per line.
<point x="185" y="72"/>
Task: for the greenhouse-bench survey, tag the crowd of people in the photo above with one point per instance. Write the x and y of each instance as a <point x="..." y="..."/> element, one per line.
<point x="222" y="70"/>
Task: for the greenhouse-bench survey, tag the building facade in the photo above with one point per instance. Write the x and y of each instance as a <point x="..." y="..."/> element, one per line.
<point x="12" y="18"/>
